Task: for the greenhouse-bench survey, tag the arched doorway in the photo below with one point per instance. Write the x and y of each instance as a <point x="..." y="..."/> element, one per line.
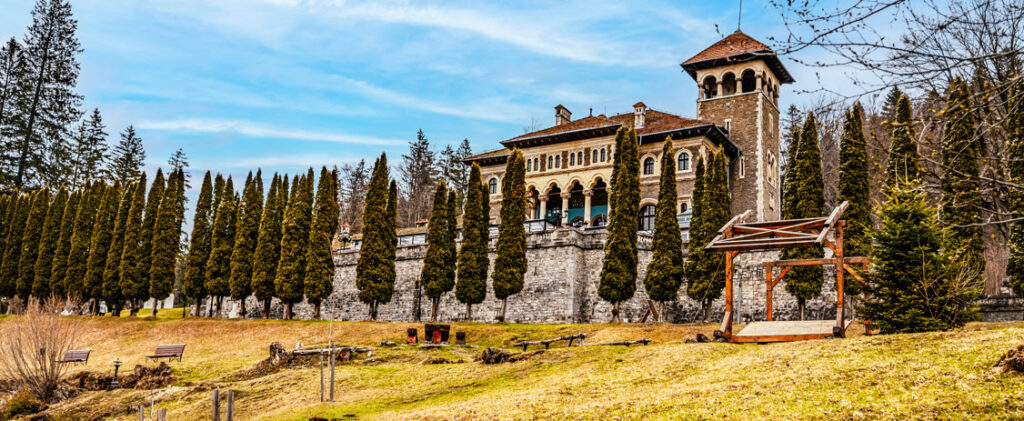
<point x="599" y="204"/>
<point x="554" y="207"/>
<point x="532" y="203"/>
<point x="575" y="207"/>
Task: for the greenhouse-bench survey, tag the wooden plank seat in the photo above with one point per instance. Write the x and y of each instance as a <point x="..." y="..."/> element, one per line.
<point x="168" y="351"/>
<point x="786" y="331"/>
<point x="75" y="356"/>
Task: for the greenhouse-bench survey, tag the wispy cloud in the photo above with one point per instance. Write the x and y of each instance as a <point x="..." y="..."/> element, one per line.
<point x="255" y="130"/>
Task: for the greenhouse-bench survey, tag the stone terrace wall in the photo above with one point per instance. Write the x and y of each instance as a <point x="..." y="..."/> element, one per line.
<point x="560" y="287"/>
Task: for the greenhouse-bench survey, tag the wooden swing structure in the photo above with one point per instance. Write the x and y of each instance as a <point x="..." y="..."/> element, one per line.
<point x="737" y="236"/>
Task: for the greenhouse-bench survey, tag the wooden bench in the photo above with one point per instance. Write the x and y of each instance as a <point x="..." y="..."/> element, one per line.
<point x="76" y="356"/>
<point x="168" y="351"/>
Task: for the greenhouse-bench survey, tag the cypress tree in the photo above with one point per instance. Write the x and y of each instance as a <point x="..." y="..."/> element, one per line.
<point x="510" y="261"/>
<point x="619" y="267"/>
<point x="246" y="237"/>
<point x="59" y="267"/>
<point x="854" y="185"/>
<point x="1014" y="126"/>
<point x="375" y="270"/>
<point x="391" y="230"/>
<point x="81" y="239"/>
<point x="698" y="287"/>
<point x="708" y="268"/>
<point x="805" y="282"/>
<point x="48" y="245"/>
<point x="911" y="288"/>
<point x="451" y="232"/>
<point x="112" y="268"/>
<point x="5" y="202"/>
<point x="134" y="287"/>
<point x="471" y="285"/>
<point x="904" y="161"/>
<point x="218" y="267"/>
<point x="665" y="271"/>
<point x="156" y="195"/>
<point x="961" y="198"/>
<point x="19" y="209"/>
<point x="194" y="285"/>
<point x="99" y="244"/>
<point x="30" y="241"/>
<point x="294" y="242"/>
<point x="268" y="247"/>
<point x="167" y="239"/>
<point x="434" y="275"/>
<point x="319" y="282"/>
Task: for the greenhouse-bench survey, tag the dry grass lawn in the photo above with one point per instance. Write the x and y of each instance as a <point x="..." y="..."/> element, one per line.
<point x="922" y="376"/>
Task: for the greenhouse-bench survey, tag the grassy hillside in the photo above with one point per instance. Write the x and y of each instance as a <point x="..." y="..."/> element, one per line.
<point x="935" y="375"/>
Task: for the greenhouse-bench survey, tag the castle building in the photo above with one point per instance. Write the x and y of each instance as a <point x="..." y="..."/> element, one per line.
<point x="569" y="165"/>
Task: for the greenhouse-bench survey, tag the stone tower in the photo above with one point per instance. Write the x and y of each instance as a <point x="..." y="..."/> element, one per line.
<point x="738" y="80"/>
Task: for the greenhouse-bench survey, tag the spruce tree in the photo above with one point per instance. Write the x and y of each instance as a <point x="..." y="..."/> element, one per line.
<point x="167" y="239"/>
<point x="89" y="152"/>
<point x="127" y="158"/>
<point x="665" y="271"/>
<point x="12" y="73"/>
<point x="48" y="245"/>
<point x="81" y="239"/>
<point x="319" y="282"/>
<point x="152" y="212"/>
<point x="194" y="285"/>
<point x="112" y="268"/>
<point x="246" y="237"/>
<point x="1014" y="126"/>
<point x="698" y="286"/>
<point x="99" y="245"/>
<point x="59" y="267"/>
<point x="914" y="287"/>
<point x="904" y="161"/>
<point x="218" y="266"/>
<point x="18" y="209"/>
<point x="619" y="267"/>
<point x="375" y="270"/>
<point x="510" y="261"/>
<point x="471" y="285"/>
<point x="434" y="275"/>
<point x="294" y="243"/>
<point x="30" y="242"/>
<point x="961" y="196"/>
<point x="808" y="187"/>
<point x="268" y="247"/>
<point x="854" y="185"/>
<point x="134" y="287"/>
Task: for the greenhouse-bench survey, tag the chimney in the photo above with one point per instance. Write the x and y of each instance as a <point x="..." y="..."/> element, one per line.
<point x="562" y="115"/>
<point x="639" y="111"/>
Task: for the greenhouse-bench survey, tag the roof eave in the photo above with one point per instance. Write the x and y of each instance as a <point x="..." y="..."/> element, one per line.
<point x="767" y="55"/>
<point x="557" y="137"/>
<point x="714" y="132"/>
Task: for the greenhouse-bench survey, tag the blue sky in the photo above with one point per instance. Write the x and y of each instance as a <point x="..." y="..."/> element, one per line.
<point x="287" y="84"/>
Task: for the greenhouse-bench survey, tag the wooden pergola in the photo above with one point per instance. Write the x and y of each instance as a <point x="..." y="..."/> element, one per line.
<point x="738" y="236"/>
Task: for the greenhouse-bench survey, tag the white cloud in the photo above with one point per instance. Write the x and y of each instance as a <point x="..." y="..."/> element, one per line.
<point x="250" y="129"/>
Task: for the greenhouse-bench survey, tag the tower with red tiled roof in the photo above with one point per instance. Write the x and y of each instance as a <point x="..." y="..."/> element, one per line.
<point x="739" y="80"/>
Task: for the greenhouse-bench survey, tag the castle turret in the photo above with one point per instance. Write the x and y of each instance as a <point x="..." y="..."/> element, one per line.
<point x="738" y="81"/>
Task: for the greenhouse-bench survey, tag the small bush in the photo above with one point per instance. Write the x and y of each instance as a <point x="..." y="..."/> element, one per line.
<point x="21" y="404"/>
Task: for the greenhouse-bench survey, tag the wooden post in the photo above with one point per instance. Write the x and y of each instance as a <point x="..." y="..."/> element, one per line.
<point x="231" y="405"/>
<point x="726" y="327"/>
<point x="321" y="376"/>
<point x="216" y="404"/>
<point x="840" y="274"/>
<point x="768" y="271"/>
<point x="142" y="412"/>
<point x="332" y="372"/>
<point x="161" y="415"/>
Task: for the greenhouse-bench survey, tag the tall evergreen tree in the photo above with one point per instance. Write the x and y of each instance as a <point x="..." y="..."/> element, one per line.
<point x="961" y="196"/>
<point x="699" y="286"/>
<point x="619" y="267"/>
<point x="127" y="158"/>
<point x="453" y="169"/>
<point x="167" y="239"/>
<point x="48" y="244"/>
<point x="354" y="182"/>
<point x="1014" y="126"/>
<point x="134" y="286"/>
<point x="218" y="267"/>
<point x="434" y="275"/>
<point x="665" y="271"/>
<point x="854" y="182"/>
<point x="112" y="268"/>
<point x="81" y="239"/>
<point x="706" y="270"/>
<point x="18" y="211"/>
<point x="89" y="152"/>
<point x="149" y="218"/>
<point x="30" y="241"/>
<point x="510" y="260"/>
<point x="99" y="245"/>
<point x="418" y="172"/>
<point x="808" y="188"/>
<point x="904" y="161"/>
<point x="179" y="162"/>
<point x="12" y="73"/>
<point x="319" y="282"/>
<point x="59" y="267"/>
<point x="294" y="243"/>
<point x="268" y="247"/>
<point x="5" y="201"/>
<point x="48" y="103"/>
<point x="246" y="237"/>
<point x="471" y="285"/>
<point x="194" y="285"/>
<point x="375" y="270"/>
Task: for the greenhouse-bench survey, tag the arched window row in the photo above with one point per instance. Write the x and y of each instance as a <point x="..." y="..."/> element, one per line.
<point x="573" y="159"/>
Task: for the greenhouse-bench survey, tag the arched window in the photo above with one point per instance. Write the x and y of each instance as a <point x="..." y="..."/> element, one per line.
<point x="536" y="164"/>
<point x="683" y="207"/>
<point x="728" y="84"/>
<point x="595" y="157"/>
<point x="748" y="83"/>
<point x="579" y="157"/>
<point x="710" y="87"/>
<point x="558" y="161"/>
<point x="598" y="221"/>
<point x="572" y="160"/>
<point x="647" y="218"/>
<point x="649" y="166"/>
<point x="683" y="163"/>
<point x="602" y="155"/>
<point x="529" y="165"/>
<point x="551" y="162"/>
<point x="493" y="185"/>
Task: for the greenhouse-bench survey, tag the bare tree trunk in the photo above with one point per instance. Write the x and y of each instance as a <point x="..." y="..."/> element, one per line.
<point x="615" y="312"/>
<point x="220" y="302"/>
<point x="801" y="306"/>
<point x="266" y="309"/>
<point x="435" y="305"/>
<point x="416" y="302"/>
<point x="288" y="311"/>
<point x="504" y="306"/>
<point x="316" y="310"/>
<point x="241" y="310"/>
<point x="373" y="310"/>
<point x="469" y="312"/>
<point x="156" y="302"/>
<point x="706" y="308"/>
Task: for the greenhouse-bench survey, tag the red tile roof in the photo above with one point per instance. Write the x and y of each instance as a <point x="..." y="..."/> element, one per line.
<point x="657" y="121"/>
<point x="736" y="43"/>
